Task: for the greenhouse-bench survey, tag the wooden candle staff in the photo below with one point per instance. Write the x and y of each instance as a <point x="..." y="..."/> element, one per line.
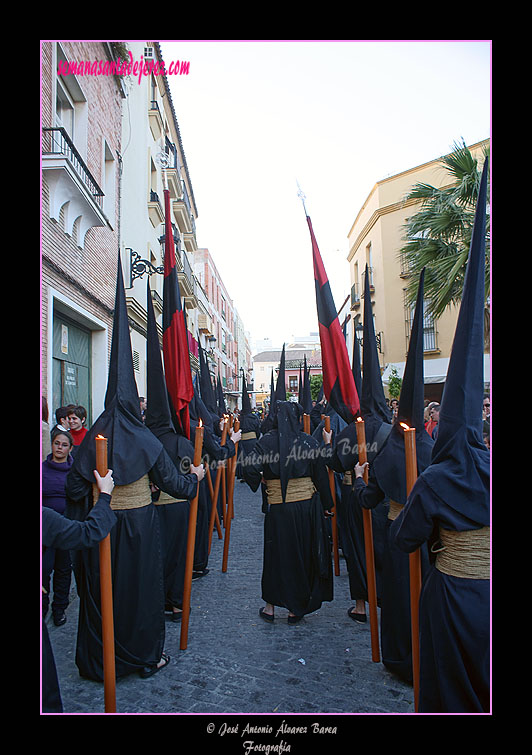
<point x="191" y="540"/>
<point x="211" y="493"/>
<point x="368" y="543"/>
<point x="306" y="423"/>
<point x="334" y="520"/>
<point x="414" y="559"/>
<point x="106" y="597"/>
<point x="231" y="487"/>
<point x="216" y="487"/>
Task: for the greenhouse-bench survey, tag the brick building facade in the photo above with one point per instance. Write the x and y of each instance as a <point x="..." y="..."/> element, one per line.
<point x="80" y="223"/>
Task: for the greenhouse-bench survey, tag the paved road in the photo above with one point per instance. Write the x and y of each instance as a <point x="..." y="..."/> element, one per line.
<point x="236" y="663"/>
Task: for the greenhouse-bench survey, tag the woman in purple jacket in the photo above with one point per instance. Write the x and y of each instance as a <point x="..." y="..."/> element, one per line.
<point x="56" y="561"/>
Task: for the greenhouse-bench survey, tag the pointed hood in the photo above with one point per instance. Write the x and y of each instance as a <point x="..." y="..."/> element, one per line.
<point x="222" y="409"/>
<point x="206" y="386"/>
<point x="272" y="393"/>
<point x="132" y="448"/>
<point x="460" y="470"/>
<point x="158" y="412"/>
<point x="246" y="403"/>
<point x="355" y="367"/>
<point x="280" y="388"/>
<point x="198" y="410"/>
<point x="389" y="463"/>
<point x="372" y="399"/>
<point x="300" y="386"/>
<point x="306" y="396"/>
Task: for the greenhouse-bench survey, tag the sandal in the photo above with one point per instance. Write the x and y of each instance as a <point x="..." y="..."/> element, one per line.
<point x="266" y="616"/>
<point x="148" y="671"/>
<point x="361" y="618"/>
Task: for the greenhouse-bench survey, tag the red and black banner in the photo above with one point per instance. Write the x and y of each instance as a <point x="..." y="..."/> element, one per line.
<point x="175" y="342"/>
<point x="338" y="382"/>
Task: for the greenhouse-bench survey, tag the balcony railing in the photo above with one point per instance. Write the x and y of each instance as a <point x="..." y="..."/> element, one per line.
<point x="56" y="141"/>
<point x="355" y="296"/>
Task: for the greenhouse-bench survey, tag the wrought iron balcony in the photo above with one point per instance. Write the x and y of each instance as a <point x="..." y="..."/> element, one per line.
<point x="56" y="141"/>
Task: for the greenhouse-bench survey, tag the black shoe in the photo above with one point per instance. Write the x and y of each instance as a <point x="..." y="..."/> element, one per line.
<point x="294" y="619"/>
<point x="176" y="616"/>
<point x="59" y="618"/>
<point x="361" y="618"/>
<point x="148" y="671"/>
<point x="198" y="574"/>
<point x="266" y="616"/>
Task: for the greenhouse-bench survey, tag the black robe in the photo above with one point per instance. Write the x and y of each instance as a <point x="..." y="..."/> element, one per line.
<point x="137" y="572"/>
<point x="297" y="566"/>
<point x="249" y="423"/>
<point x="454" y="612"/>
<point x="174" y="521"/>
<point x="350" y="519"/>
<point x="59" y="532"/>
<point x="396" y="634"/>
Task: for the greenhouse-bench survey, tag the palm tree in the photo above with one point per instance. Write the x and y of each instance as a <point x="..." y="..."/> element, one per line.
<point x="438" y="236"/>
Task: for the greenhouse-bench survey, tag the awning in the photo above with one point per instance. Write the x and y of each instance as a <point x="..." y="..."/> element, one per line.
<point x="434" y="370"/>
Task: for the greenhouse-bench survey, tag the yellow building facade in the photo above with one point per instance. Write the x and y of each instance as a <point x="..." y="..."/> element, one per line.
<point x="375" y="239"/>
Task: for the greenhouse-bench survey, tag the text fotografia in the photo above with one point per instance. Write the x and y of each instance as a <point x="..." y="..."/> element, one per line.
<point x="251" y="746"/>
<point x="122" y="68"/>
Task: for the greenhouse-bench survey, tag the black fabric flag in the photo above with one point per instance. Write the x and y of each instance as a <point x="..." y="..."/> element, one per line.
<point x="338" y="381"/>
<point x="177" y="370"/>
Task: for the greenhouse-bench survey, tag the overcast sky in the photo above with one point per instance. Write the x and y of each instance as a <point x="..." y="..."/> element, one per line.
<point x="256" y="117"/>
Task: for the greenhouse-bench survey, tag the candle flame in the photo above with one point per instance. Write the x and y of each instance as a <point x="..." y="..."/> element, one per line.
<point x="200" y="424"/>
<point x="359" y="419"/>
<point x="100" y="437"/>
<point x="404" y="425"/>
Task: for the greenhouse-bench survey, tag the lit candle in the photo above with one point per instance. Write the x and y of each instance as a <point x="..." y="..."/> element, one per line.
<point x="101" y="455"/>
<point x="368" y="544"/>
<point x="192" y="520"/>
<point x="414" y="558"/>
<point x="106" y="596"/>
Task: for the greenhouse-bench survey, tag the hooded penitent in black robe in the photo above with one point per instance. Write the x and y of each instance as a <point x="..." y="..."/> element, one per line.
<point x="451" y="500"/>
<point x="297" y="567"/>
<point x="250" y="427"/>
<point x="59" y="532"/>
<point x="136" y="456"/>
<point x="376" y="415"/>
<point x="173" y="514"/>
<point x="387" y="480"/>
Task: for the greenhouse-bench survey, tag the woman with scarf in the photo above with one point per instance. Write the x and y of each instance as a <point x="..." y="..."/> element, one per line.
<point x="297" y="568"/>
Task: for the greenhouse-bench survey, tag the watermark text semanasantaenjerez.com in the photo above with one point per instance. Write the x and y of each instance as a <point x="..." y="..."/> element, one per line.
<point x="122" y="68"/>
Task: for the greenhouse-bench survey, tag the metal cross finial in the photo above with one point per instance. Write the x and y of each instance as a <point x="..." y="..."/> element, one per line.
<point x="162" y="159"/>
<point x="301" y="196"/>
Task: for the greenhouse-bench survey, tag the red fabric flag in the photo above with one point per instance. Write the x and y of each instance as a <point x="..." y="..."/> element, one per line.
<point x="177" y="370"/>
<point x="338" y="381"/>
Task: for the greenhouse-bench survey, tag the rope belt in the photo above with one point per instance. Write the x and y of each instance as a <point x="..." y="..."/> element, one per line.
<point x="298" y="489"/>
<point x="348" y="478"/>
<point x="164" y="498"/>
<point x="132" y="496"/>
<point x="465" y="554"/>
<point x="395" y="509"/>
<point x="248" y="436"/>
